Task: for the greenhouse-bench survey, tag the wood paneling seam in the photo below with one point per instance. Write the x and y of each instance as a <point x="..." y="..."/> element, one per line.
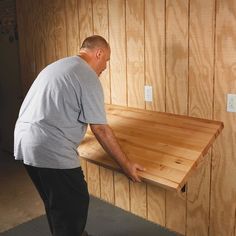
<point x="210" y="189"/>
<point x="234" y="221"/>
<point x="165" y="96"/>
<point x="108" y="39"/>
<point x="100" y="182"/>
<point x="214" y="63"/>
<point x="126" y="70"/>
<point x="165" y="208"/>
<point x="54" y="22"/>
<point x="92" y="15"/>
<point x="188" y="109"/>
<point x="129" y="195"/>
<point x="66" y="28"/>
<point x="113" y="181"/>
<point x="213" y="115"/>
<point x="186" y="209"/>
<point x="146" y="201"/>
<point x="78" y="14"/>
<point x="144" y="51"/>
<point x="188" y="93"/>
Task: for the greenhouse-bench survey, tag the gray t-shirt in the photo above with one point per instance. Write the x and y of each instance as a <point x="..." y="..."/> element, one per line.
<point x="65" y="97"/>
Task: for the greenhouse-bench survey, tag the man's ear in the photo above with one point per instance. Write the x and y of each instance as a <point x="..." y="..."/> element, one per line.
<point x="98" y="53"/>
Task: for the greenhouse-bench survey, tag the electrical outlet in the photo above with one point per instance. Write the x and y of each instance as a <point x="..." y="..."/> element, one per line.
<point x="231" y="102"/>
<point x="148" y="93"/>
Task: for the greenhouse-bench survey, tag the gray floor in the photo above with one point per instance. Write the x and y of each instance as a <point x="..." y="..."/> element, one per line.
<point x="22" y="210"/>
<point x="103" y="220"/>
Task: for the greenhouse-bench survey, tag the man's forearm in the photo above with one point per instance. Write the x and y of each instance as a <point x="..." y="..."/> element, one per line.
<point x="107" y="139"/>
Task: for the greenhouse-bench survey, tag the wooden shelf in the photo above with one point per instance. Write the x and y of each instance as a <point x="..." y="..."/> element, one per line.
<point x="169" y="146"/>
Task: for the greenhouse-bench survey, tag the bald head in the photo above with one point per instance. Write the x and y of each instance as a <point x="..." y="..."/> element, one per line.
<point x="95" y="50"/>
<point x="95" y="41"/>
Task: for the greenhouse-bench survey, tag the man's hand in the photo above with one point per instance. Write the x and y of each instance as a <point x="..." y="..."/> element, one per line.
<point x="132" y="171"/>
<point x="107" y="139"/>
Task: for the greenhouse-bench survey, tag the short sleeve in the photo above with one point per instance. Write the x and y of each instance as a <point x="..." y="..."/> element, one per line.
<point x="92" y="108"/>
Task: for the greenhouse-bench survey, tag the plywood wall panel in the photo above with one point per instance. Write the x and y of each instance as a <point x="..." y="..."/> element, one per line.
<point x="222" y="208"/>
<point x="60" y="29"/>
<point x="117" y="38"/>
<point x="48" y="22"/>
<point x="156" y="211"/>
<point x="155" y="52"/>
<point x="20" y="9"/>
<point x="72" y="27"/>
<point x="33" y="42"/>
<point x="93" y="179"/>
<point x="138" y="199"/>
<point x="198" y="200"/>
<point x="100" y="21"/>
<point x="176" y="91"/>
<point x="26" y="54"/>
<point x="85" y="19"/>
<point x="177" y="56"/>
<point x="176" y="212"/>
<point x="100" y="17"/>
<point x="135" y="52"/>
<point x="38" y="37"/>
<point x="122" y="191"/>
<point x="107" y="185"/>
<point x="201" y="46"/>
<point x="201" y="51"/>
<point x="195" y="43"/>
<point x="223" y="192"/>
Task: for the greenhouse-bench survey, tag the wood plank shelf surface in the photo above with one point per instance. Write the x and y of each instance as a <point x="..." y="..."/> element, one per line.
<point x="169" y="146"/>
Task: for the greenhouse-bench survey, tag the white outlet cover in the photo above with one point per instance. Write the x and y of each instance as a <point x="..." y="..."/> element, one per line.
<point x="148" y="93"/>
<point x="231" y="102"/>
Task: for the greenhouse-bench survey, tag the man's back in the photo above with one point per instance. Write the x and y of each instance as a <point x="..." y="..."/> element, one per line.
<point x="53" y="117"/>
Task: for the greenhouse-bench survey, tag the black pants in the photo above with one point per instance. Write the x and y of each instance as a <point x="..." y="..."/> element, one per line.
<point x="65" y="196"/>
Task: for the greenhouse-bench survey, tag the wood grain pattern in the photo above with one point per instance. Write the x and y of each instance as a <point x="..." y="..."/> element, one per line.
<point x="201" y="46"/>
<point x="154" y="140"/>
<point x="100" y="17"/>
<point x="132" y="32"/>
<point x="100" y="21"/>
<point x="93" y="179"/>
<point x="223" y="192"/>
<point x="156" y="204"/>
<point x="176" y="87"/>
<point x="117" y="38"/>
<point x="33" y="44"/>
<point x="72" y="27"/>
<point x="135" y="52"/>
<point x="176" y="212"/>
<point x="107" y="185"/>
<point x="198" y="200"/>
<point x="60" y="29"/>
<point x="49" y="31"/>
<point x="155" y="52"/>
<point x="177" y="56"/>
<point x="138" y="199"/>
<point x="38" y="38"/>
<point x="122" y="191"/>
<point x="25" y="46"/>
<point x="85" y="19"/>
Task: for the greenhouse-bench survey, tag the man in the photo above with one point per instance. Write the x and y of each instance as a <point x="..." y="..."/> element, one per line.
<point x="66" y="97"/>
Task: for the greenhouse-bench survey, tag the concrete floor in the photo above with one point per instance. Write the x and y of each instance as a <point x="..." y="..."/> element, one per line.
<point x="19" y="201"/>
